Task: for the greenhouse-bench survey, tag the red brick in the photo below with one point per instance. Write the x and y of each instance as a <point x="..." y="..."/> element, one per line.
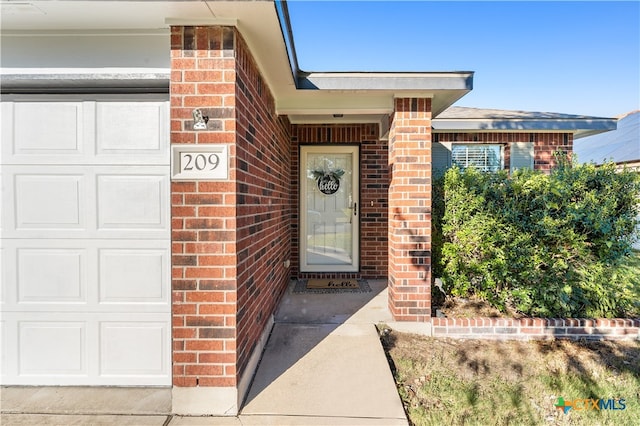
<point x="209" y="248"/>
<point x="183" y="333"/>
<point x="217" y="309"/>
<point x="204" y="345"/>
<point x="205" y="296"/>
<point x="180" y="381"/>
<point x="215" y="88"/>
<point x="217" y="260"/>
<point x="203" y="223"/>
<point x="183" y="211"/>
<point x="217" y="137"/>
<point x="203" y="75"/>
<point x="183" y="64"/>
<point x="203" y="370"/>
<point x="216" y="358"/>
<point x="202" y="101"/>
<point x="184" y="308"/>
<point x="203" y="199"/>
<point x="185" y="357"/>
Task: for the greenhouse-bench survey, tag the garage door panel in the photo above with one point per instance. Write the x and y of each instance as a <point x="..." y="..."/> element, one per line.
<point x="134" y="276"/>
<point x="52" y="348"/>
<point x="45" y="128"/>
<point x="52" y="275"/>
<point x="132" y="202"/>
<point x="140" y="345"/>
<point x="127" y="128"/>
<point x="47" y="275"/>
<point x="44" y="201"/>
<point x="49" y="201"/>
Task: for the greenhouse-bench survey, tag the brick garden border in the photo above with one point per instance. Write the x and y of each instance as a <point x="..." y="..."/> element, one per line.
<point x="536" y="328"/>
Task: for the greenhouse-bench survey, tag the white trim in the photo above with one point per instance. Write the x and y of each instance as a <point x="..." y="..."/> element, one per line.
<point x="90" y="72"/>
<point x="223" y="22"/>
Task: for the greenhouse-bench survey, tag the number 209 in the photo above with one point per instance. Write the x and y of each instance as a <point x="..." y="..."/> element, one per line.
<point x="200" y="162"/>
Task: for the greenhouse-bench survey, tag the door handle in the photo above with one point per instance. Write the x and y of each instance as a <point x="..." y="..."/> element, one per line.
<point x="355" y="209"/>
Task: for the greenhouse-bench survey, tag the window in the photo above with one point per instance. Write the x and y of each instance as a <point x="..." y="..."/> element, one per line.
<point x="486" y="158"/>
<point x="521" y="156"/>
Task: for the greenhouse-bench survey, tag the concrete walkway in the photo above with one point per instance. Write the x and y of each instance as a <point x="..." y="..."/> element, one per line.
<point x="323" y="365"/>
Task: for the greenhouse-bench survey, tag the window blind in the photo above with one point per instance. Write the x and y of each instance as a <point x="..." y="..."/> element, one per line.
<point x="486" y="158"/>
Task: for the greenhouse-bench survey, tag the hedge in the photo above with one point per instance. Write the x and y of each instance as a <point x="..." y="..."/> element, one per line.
<point x="543" y="245"/>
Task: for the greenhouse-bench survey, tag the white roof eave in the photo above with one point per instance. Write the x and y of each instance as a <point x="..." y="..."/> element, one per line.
<point x="581" y="127"/>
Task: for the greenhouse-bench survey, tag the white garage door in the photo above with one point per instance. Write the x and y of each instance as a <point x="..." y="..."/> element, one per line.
<point x="85" y="293"/>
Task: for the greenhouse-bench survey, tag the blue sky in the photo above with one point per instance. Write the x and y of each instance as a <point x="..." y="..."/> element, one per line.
<point x="576" y="57"/>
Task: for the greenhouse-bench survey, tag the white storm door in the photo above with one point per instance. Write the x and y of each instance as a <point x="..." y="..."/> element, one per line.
<point x="329" y="208"/>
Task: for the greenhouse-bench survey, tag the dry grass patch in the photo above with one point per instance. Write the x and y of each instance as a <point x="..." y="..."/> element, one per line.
<point x="480" y="382"/>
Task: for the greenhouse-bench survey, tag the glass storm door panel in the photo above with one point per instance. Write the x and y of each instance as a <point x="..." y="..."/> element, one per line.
<point x="329" y="208"/>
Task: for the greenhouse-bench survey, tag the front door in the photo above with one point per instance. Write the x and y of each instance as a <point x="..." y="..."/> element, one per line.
<point x="329" y="206"/>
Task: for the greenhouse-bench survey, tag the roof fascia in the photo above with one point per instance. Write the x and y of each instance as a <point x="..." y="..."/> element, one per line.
<point x="581" y="127"/>
<point x="282" y="11"/>
<point x="117" y="80"/>
<point x="390" y="81"/>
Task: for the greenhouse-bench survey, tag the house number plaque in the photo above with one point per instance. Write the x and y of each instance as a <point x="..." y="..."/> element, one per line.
<point x="199" y="162"/>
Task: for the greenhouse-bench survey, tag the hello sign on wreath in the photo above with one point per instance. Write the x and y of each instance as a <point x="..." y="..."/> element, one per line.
<point x="328" y="181"/>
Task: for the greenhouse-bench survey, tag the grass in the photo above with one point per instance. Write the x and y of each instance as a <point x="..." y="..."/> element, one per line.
<point x="476" y="382"/>
<point x="485" y="382"/>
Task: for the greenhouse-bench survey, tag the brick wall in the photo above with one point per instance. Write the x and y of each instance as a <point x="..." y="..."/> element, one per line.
<point x="229" y="239"/>
<point x="374" y="183"/>
<point x="536" y="328"/>
<point x="203" y="213"/>
<point x="545" y="144"/>
<point x="410" y="211"/>
<point x="264" y="204"/>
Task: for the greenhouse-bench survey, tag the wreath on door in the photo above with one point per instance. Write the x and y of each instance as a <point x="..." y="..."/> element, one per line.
<point x="328" y="181"/>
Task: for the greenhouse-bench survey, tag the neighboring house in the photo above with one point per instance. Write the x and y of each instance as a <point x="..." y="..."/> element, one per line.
<point x="621" y="146"/>
<point x="492" y="139"/>
<point x="159" y="187"/>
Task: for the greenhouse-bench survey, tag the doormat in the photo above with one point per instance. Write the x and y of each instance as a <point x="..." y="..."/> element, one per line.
<point x="333" y="285"/>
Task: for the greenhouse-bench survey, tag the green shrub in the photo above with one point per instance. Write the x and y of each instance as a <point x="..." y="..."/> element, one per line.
<point x="545" y="245"/>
